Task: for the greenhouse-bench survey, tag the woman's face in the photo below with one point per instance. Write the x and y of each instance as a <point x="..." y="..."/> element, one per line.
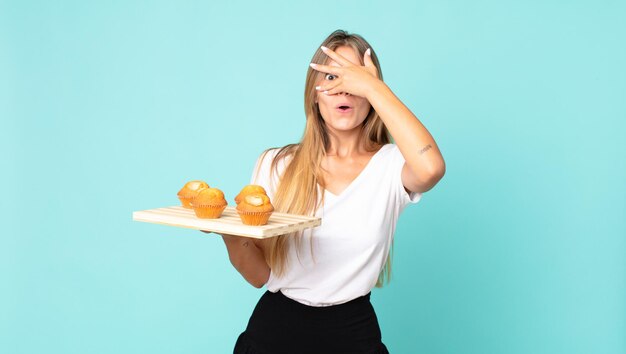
<point x="342" y="111"/>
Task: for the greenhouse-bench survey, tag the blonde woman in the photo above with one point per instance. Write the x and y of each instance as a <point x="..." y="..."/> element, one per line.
<point x="346" y="171"/>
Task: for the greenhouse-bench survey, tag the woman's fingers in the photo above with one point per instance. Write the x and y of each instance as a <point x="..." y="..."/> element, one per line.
<point x="369" y="63"/>
<point x="333" y="91"/>
<point x="367" y="58"/>
<point x="350" y="78"/>
<point x="329" y="69"/>
<point x="337" y="57"/>
<point x="326" y="88"/>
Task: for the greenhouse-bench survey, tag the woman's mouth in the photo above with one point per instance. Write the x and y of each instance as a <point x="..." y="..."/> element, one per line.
<point x="344" y="108"/>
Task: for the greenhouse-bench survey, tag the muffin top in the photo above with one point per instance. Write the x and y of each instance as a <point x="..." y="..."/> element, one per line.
<point x="191" y="188"/>
<point x="255" y="202"/>
<point x="249" y="189"/>
<point x="209" y="197"/>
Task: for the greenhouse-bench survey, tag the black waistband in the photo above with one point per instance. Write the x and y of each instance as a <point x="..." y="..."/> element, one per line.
<point x="346" y="308"/>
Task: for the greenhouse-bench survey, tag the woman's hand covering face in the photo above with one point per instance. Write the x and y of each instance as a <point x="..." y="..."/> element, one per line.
<point x="346" y="76"/>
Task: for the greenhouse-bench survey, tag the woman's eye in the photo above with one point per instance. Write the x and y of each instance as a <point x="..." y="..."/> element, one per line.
<point x="330" y="77"/>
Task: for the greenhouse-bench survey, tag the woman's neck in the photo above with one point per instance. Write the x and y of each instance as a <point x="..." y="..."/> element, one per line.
<point x="345" y="144"/>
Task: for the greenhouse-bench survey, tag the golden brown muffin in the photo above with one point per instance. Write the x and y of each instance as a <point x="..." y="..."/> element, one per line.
<point x="249" y="189"/>
<point x="255" y="209"/>
<point x="209" y="203"/>
<point x="189" y="190"/>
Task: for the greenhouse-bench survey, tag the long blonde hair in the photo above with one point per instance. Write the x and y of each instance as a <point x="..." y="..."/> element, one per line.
<point x="297" y="192"/>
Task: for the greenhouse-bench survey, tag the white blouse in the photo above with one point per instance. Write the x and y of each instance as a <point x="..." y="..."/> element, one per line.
<point x="351" y="245"/>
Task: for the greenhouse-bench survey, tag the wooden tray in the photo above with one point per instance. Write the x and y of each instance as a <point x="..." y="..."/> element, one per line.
<point x="228" y="223"/>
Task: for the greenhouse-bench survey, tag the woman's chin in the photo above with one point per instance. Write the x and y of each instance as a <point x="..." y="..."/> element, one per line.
<point x="343" y="128"/>
<point x="344" y="125"/>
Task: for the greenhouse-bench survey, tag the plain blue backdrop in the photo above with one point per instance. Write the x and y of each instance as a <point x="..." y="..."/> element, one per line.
<point x="109" y="107"/>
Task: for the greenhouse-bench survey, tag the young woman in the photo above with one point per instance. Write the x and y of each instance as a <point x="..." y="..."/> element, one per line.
<point x="346" y="171"/>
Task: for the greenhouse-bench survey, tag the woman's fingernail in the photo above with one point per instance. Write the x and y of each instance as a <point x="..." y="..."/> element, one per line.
<point x="324" y="48"/>
<point x="313" y="65"/>
<point x="326" y="92"/>
<point x="318" y="87"/>
<point x="368" y="51"/>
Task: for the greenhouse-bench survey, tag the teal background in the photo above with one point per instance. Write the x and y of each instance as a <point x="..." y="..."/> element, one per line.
<point x="109" y="107"/>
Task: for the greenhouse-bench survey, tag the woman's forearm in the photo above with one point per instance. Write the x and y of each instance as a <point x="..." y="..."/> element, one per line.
<point x="248" y="259"/>
<point x="413" y="139"/>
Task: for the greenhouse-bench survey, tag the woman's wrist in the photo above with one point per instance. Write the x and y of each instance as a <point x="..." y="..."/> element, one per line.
<point x="237" y="241"/>
<point x="376" y="88"/>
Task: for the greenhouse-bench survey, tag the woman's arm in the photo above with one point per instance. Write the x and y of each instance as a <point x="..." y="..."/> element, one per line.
<point x="247" y="257"/>
<point x="424" y="165"/>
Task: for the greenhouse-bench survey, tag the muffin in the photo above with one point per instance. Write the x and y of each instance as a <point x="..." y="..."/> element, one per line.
<point x="255" y="209"/>
<point x="189" y="190"/>
<point x="249" y="189"/>
<point x="209" y="203"/>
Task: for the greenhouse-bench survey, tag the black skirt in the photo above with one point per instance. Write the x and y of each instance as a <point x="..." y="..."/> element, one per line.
<point x="280" y="325"/>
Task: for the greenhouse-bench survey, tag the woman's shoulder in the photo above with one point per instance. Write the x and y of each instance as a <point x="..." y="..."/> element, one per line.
<point x="280" y="153"/>
<point x="387" y="154"/>
<point x="276" y="157"/>
<point x="389" y="148"/>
